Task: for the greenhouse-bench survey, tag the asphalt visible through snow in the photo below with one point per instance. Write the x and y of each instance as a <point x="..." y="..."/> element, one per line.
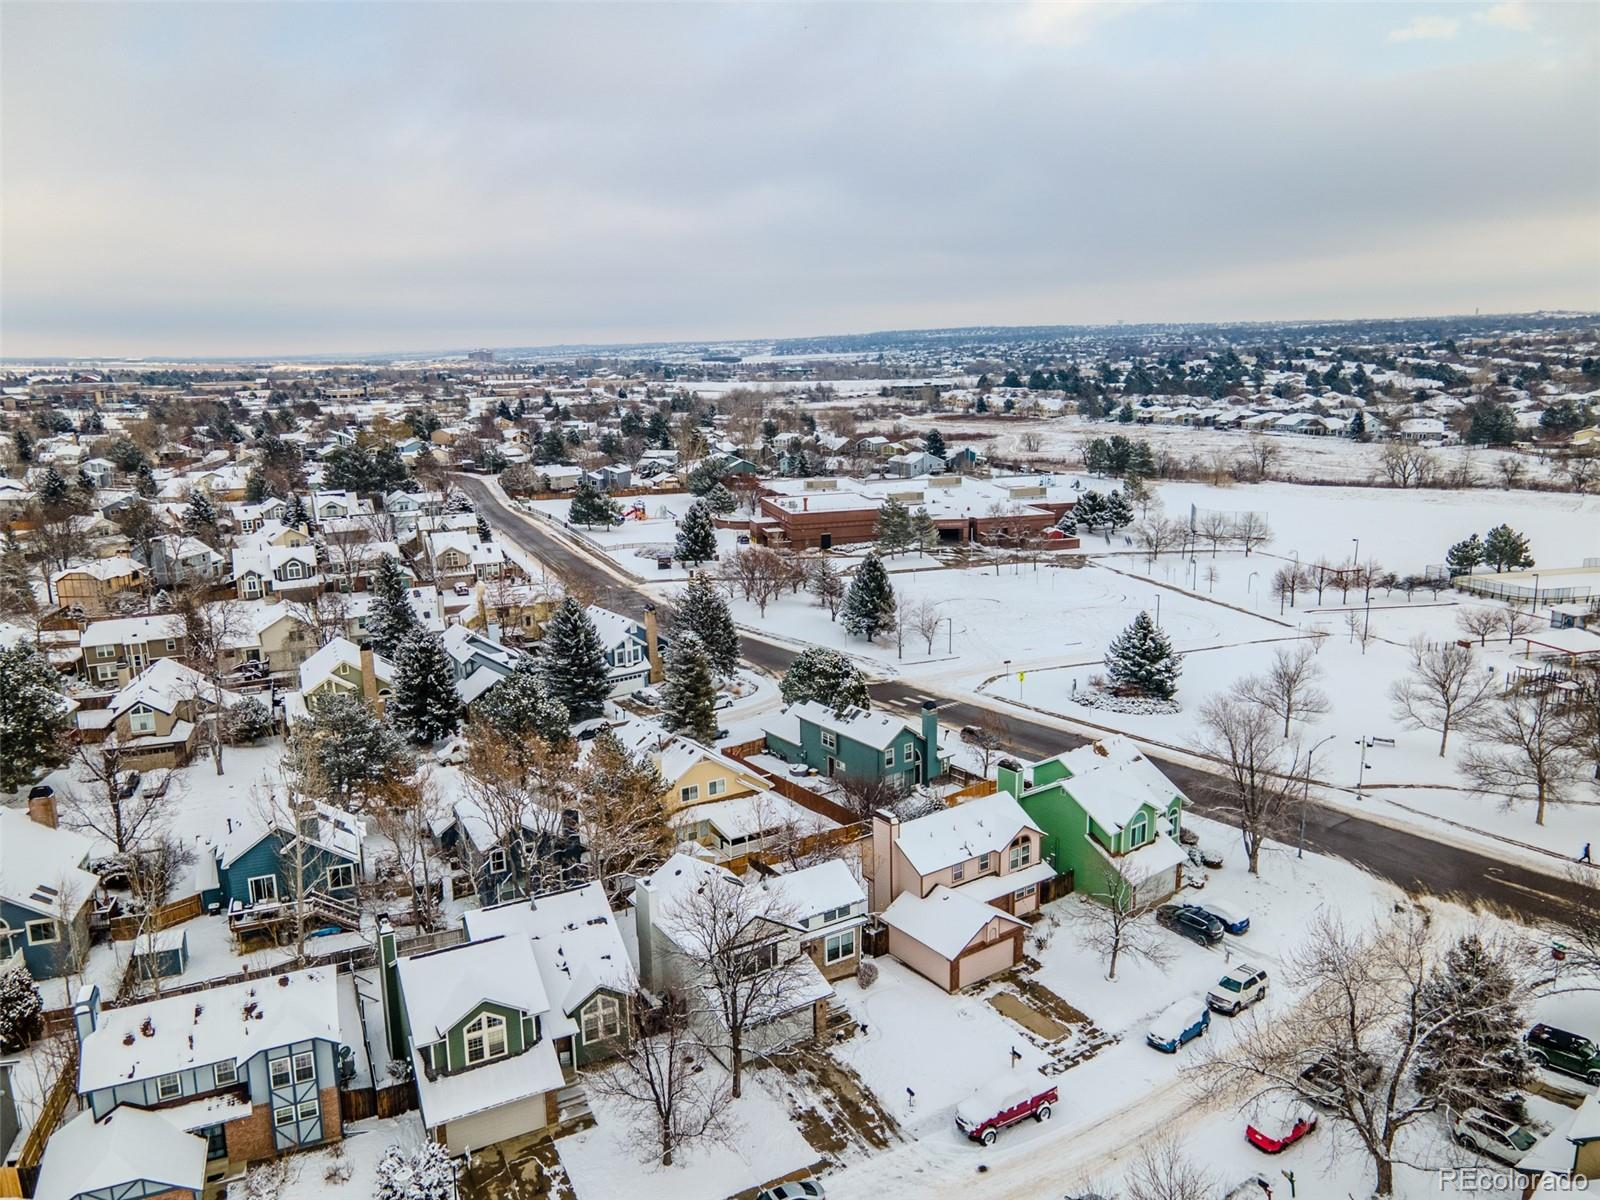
<point x="1416" y="863"/>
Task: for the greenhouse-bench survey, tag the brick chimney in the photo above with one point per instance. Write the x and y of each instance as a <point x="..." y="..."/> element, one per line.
<point x="880" y="883"/>
<point x="652" y="641"/>
<point x="42" y="809"/>
<point x="369" y="680"/>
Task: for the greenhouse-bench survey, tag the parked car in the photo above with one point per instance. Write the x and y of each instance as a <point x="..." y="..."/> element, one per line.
<point x="1321" y="1081"/>
<point x="129" y="785"/>
<point x="1234" y="919"/>
<point x="1278" y="1123"/>
<point x="1190" y="922"/>
<point x="251" y="668"/>
<point x="1570" y="1053"/>
<point x="453" y="754"/>
<point x="1179" y="1023"/>
<point x="1236" y="991"/>
<point x="800" y="1189"/>
<point x="724" y="700"/>
<point x="649" y="695"/>
<point x="982" y="1115"/>
<point x="1494" y="1135"/>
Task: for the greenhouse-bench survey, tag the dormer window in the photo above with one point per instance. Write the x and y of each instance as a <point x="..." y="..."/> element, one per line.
<point x="485" y="1039"/>
<point x="141" y="720"/>
<point x="292" y="570"/>
<point x="1021" y="853"/>
<point x="1138" y="831"/>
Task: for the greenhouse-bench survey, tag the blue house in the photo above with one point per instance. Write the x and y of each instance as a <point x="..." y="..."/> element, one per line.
<point x="258" y="864"/>
<point x="478" y="661"/>
<point x="45" y="893"/>
<point x="542" y="853"/>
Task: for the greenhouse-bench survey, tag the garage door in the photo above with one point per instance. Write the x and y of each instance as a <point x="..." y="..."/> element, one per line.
<point x="991" y="960"/>
<point x="496" y="1125"/>
<point x="1158" y="887"/>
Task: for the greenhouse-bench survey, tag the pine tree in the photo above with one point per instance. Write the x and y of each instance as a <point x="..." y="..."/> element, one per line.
<point x="24" y="445"/>
<point x="924" y="533"/>
<point x="145" y="481"/>
<point x="484" y="535"/>
<point x="697" y="537"/>
<point x="390" y="619"/>
<point x="425" y="705"/>
<point x="1140" y="661"/>
<point x="53" y="490"/>
<point x="457" y="502"/>
<point x="1068" y="522"/>
<point x="1480" y="1054"/>
<point x="1505" y="549"/>
<point x="893" y="529"/>
<point x="1462" y="557"/>
<point x="703" y="611"/>
<point x="573" y="661"/>
<point x="351" y="749"/>
<point x="827" y="677"/>
<point x="721" y="500"/>
<point x="1125" y="413"/>
<point x="21" y="1005"/>
<point x="689" y="696"/>
<point x="18" y="600"/>
<point x="933" y="443"/>
<point x="1358" y="427"/>
<point x="201" y="515"/>
<point x="591" y="506"/>
<point x="869" y="605"/>
<point x="1090" y="510"/>
<point x="295" y="514"/>
<point x="1119" y="512"/>
<point x="34" y="721"/>
<point x="423" y="1172"/>
<point x="521" y="705"/>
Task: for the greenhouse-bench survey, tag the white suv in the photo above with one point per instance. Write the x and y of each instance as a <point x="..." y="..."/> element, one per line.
<point x="1238" y="990"/>
<point x="1493" y="1135"/>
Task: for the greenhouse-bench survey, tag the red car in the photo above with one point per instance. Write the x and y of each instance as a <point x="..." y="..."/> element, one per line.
<point x="1277" y="1124"/>
<point x="982" y="1115"/>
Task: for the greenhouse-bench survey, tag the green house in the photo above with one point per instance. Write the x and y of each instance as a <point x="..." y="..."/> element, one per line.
<point x="1109" y="816"/>
<point x="858" y="743"/>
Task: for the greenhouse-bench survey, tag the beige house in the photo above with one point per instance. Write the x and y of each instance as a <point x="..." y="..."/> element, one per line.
<point x="115" y="651"/>
<point x="341" y="668"/>
<point x="90" y="586"/>
<point x="155" y="720"/>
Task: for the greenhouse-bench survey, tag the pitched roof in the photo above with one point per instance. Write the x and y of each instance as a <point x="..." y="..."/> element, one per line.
<point x="129" y="1145"/>
<point x="986" y="825"/>
<point x="944" y="920"/>
<point x="1111" y="780"/>
<point x="37" y="863"/>
<point x="443" y="986"/>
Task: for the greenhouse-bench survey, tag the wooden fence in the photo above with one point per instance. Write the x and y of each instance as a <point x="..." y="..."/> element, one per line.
<point x="125" y="929"/>
<point x="360" y="1104"/>
<point x="984" y="787"/>
<point x="19" y="1179"/>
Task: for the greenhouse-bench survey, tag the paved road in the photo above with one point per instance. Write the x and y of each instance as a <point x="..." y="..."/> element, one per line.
<point x="1414" y="862"/>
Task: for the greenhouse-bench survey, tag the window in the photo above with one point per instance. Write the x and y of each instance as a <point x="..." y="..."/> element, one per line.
<point x="305" y="1067"/>
<point x="689" y="793"/>
<point x="1138" y="831"/>
<point x="105" y="651"/>
<point x="342" y="875"/>
<point x="292" y="570"/>
<point x="283" y="1115"/>
<point x="309" y="1110"/>
<point x="717" y="787"/>
<point x="281" y="1075"/>
<point x="142" y="720"/>
<point x="106" y="672"/>
<point x="839" y="946"/>
<point x="42" y="933"/>
<point x="1021" y="853"/>
<point x="756" y="961"/>
<point x="485" y="1039"/>
<point x="172" y="643"/>
<point x="983" y="861"/>
<point x="888" y="757"/>
<point x="168" y="1087"/>
<point x="830" y="740"/>
<point x="1172" y="821"/>
<point x="263" y="889"/>
<point x="958" y="872"/>
<point x="835" y="914"/>
<point x="225" y="1073"/>
<point x="1024" y="893"/>
<point x="497" y="861"/>
<point x="252" y="585"/>
<point x="602" y="1019"/>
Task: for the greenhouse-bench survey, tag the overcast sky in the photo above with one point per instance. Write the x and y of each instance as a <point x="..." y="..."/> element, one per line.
<point x="234" y="179"/>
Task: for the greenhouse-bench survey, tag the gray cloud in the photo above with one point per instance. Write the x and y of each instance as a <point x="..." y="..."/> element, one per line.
<point x="241" y="179"/>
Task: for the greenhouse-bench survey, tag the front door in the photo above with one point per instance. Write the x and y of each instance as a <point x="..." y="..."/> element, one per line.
<point x="825" y="542"/>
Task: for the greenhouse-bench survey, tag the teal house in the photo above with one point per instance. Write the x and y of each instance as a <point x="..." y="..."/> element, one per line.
<point x="858" y="744"/>
<point x="1109" y="816"/>
<point x="258" y="863"/>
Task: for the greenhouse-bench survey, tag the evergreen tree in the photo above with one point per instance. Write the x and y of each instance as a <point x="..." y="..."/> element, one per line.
<point x="869" y="605"/>
<point x="590" y="506"/>
<point x="18" y="600"/>
<point x="1119" y="512"/>
<point x="721" y="500"/>
<point x="980" y="405"/>
<point x="24" y="445"/>
<point x="352" y="750"/>
<point x="1125" y="413"/>
<point x="390" y="618"/>
<point x="425" y="705"/>
<point x="1462" y="557"/>
<point x="21" y="1005"/>
<point x="573" y="661"/>
<point x="893" y="529"/>
<point x="1140" y="661"/>
<point x="1479" y="1056"/>
<point x="484" y="534"/>
<point x="1492" y="424"/>
<point x="552" y="447"/>
<point x="1358" y="427"/>
<point x="827" y="677"/>
<point x="1505" y="549"/>
<point x="1010" y="405"/>
<point x="295" y="514"/>
<point x="255" y="488"/>
<point x="703" y="611"/>
<point x="34" y="720"/>
<point x="707" y="474"/>
<point x="145" y="481"/>
<point x="933" y="443"/>
<point x="924" y="532"/>
<point x="1090" y="510"/>
<point x="521" y="705"/>
<point x="422" y="1172"/>
<point x="1068" y="523"/>
<point x="201" y="515"/>
<point x="657" y="431"/>
<point x="457" y="502"/>
<point x="689" y="695"/>
<point x="697" y="538"/>
<point x="53" y="491"/>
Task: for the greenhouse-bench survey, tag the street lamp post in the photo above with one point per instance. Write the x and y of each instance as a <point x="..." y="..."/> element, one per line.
<point x="1305" y="795"/>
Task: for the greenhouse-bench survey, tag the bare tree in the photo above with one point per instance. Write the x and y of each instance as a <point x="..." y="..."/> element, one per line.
<point x="618" y="797"/>
<point x="1515" y="623"/>
<point x="1407" y="466"/>
<point x="1158" y="536"/>
<point x="759" y="575"/>
<point x="733" y="941"/>
<point x="518" y="794"/>
<point x="1289" y="687"/>
<point x="326" y="615"/>
<point x="1164" y="1172"/>
<point x="1260" y="455"/>
<point x="1117" y="923"/>
<point x="1478" y="622"/>
<point x="1511" y="470"/>
<point x="1251" y="530"/>
<point x="1525" y="749"/>
<point x="828" y="586"/>
<point x="152" y="874"/>
<point x="127" y="822"/>
<point x="663" y="1079"/>
<point x="1216" y="528"/>
<point x="210" y="633"/>
<point x="1366" y="1022"/>
<point x="407" y="820"/>
<point x="1256" y="784"/>
<point x="1577" y="926"/>
<point x="926" y="618"/>
<point x="1443" y="687"/>
<point x="988" y="735"/>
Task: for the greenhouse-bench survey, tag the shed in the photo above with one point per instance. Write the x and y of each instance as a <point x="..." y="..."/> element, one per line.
<point x="162" y="956"/>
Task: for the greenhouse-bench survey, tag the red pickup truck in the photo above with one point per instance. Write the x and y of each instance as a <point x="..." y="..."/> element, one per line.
<point x="982" y="1115"/>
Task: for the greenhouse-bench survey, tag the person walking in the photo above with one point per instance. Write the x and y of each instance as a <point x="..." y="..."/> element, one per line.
<point x="1585" y="856"/>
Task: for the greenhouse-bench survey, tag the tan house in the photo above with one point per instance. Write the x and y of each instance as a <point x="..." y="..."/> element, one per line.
<point x="940" y="880"/>
<point x="90" y="586"/>
<point x="115" y="651"/>
<point x="155" y="720"/>
<point x="341" y="668"/>
<point x="829" y="908"/>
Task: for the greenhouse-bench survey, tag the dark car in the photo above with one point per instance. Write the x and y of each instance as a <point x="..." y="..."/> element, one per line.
<point x="1190" y="922"/>
<point x="129" y="785"/>
<point x="1322" y="1082"/>
<point x="1570" y="1053"/>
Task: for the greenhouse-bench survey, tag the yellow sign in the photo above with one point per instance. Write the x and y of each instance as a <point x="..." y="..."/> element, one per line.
<point x="1021" y="675"/>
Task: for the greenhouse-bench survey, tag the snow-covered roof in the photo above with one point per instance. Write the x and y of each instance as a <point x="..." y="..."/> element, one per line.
<point x="443" y="986"/>
<point x="333" y="829"/>
<point x="340" y="652"/>
<point x="236" y="1021"/>
<point x="814" y="890"/>
<point x="101" y="568"/>
<point x="944" y="920"/>
<point x="863" y="725"/>
<point x="751" y="814"/>
<point x="992" y="887"/>
<point x="446" y="1098"/>
<point x="37" y="863"/>
<point x="126" y="630"/>
<point x="613" y="627"/>
<point x="131" y="1144"/>
<point x="1112" y="780"/>
<point x="985" y="825"/>
<point x="163" y="685"/>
